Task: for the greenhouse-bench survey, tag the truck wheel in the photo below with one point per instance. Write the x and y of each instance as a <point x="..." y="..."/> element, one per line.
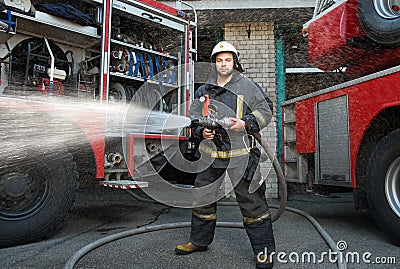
<point x="119" y="94"/>
<point x="383" y="181"/>
<point x="37" y="190"/>
<point x="380" y="20"/>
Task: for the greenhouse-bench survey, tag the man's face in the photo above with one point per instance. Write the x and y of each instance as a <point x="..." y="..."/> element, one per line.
<point x="224" y="63"/>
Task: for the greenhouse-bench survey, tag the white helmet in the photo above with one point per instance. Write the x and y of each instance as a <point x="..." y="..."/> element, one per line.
<point x="224" y="46"/>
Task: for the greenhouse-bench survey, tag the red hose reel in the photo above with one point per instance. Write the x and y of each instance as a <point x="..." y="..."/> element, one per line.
<point x="44" y="87"/>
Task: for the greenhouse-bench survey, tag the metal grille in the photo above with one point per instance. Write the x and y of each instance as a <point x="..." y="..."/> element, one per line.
<point x="333" y="157"/>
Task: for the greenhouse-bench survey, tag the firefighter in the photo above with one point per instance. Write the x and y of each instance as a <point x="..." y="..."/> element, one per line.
<point x="234" y="152"/>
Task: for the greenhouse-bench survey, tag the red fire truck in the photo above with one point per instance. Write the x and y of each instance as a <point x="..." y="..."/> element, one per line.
<point x="348" y="135"/>
<point x="68" y="73"/>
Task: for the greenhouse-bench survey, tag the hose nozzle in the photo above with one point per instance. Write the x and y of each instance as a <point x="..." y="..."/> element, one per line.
<point x="211" y="123"/>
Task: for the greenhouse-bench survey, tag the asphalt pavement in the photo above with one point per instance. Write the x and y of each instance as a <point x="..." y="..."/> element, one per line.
<point x="99" y="213"/>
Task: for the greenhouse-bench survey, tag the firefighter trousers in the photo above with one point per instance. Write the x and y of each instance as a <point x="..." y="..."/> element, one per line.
<point x="253" y="206"/>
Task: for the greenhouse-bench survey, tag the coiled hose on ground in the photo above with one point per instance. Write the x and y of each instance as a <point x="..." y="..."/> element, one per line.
<point x="281" y="208"/>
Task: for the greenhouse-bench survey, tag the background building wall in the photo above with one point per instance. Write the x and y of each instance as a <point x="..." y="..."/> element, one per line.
<point x="256" y="44"/>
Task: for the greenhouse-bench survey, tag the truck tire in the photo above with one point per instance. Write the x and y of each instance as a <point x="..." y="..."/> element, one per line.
<point x="383" y="182"/>
<point x="119" y="94"/>
<point x="37" y="190"/>
<point x="380" y="21"/>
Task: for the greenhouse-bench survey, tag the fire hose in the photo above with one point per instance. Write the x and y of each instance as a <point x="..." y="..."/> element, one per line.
<point x="281" y="208"/>
<point x="212" y="123"/>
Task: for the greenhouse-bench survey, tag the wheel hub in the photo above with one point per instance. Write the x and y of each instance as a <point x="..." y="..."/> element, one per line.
<point x="388" y="9"/>
<point x="20" y="194"/>
<point x="15" y="185"/>
<point x="392" y="186"/>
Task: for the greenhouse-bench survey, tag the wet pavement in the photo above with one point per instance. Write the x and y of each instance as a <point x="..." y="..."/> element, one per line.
<point x="100" y="213"/>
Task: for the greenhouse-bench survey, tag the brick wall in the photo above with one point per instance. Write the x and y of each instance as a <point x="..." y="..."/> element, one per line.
<point x="257" y="55"/>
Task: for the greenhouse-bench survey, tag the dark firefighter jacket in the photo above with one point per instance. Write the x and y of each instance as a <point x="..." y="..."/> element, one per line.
<point x="239" y="98"/>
